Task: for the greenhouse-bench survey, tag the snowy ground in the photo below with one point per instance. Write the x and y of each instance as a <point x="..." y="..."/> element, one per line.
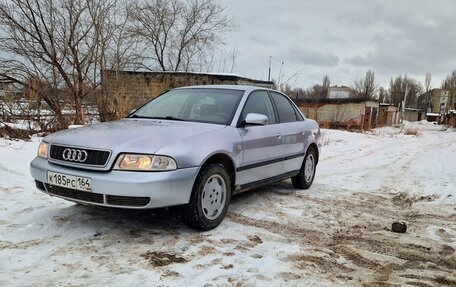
<point x="334" y="234"/>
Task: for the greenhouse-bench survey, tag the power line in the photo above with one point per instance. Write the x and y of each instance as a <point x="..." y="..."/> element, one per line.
<point x="296" y="75"/>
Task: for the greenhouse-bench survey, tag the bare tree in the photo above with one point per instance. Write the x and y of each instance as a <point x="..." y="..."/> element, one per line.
<point x="222" y="61"/>
<point x="382" y="94"/>
<point x="318" y="91"/>
<point x="450" y="84"/>
<point x="365" y="88"/>
<point x="117" y="51"/>
<point x="427" y="82"/>
<point x="62" y="44"/>
<point x="424" y="100"/>
<point x="326" y="83"/>
<point x="297" y="93"/>
<point x="399" y="86"/>
<point x="175" y="34"/>
<point x="450" y="81"/>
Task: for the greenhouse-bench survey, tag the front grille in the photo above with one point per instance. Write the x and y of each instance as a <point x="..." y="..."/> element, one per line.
<point x="74" y="194"/>
<point x="133" y="201"/>
<point x="127" y="200"/>
<point x="94" y="157"/>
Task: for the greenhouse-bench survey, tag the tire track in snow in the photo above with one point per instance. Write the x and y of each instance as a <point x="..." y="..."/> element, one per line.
<point x="8" y="170"/>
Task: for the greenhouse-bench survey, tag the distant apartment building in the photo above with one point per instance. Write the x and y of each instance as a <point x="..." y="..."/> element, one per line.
<point x="341" y="92"/>
<point x="443" y="100"/>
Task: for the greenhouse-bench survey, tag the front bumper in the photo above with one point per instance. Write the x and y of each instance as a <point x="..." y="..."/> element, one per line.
<point x="166" y="188"/>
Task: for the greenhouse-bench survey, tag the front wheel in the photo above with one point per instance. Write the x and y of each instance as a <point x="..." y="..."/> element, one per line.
<point x="305" y="177"/>
<point x="210" y="197"/>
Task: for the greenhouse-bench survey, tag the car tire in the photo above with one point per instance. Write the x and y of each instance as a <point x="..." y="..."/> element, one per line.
<point x="210" y="198"/>
<point x="306" y="175"/>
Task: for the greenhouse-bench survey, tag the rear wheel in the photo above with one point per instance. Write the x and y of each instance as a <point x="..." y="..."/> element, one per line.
<point x="210" y="197"/>
<point x="305" y="177"/>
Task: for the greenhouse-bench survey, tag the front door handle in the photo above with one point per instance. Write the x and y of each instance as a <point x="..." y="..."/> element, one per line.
<point x="279" y="136"/>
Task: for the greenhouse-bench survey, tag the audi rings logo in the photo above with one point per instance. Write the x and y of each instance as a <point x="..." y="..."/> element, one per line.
<point x="76" y="155"/>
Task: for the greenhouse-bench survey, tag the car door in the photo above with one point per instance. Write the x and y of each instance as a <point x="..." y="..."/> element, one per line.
<point x="292" y="131"/>
<point x="261" y="144"/>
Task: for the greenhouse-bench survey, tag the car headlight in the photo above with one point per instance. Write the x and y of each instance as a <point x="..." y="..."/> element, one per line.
<point x="144" y="162"/>
<point x="43" y="150"/>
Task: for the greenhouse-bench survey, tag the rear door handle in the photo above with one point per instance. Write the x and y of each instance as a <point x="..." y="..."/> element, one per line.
<point x="279" y="136"/>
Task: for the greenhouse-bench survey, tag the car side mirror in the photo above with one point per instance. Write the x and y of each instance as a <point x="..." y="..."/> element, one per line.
<point x="256" y="119"/>
<point x="131" y="112"/>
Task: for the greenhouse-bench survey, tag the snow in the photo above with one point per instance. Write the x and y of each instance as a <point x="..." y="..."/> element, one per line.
<point x="21" y="124"/>
<point x="334" y="234"/>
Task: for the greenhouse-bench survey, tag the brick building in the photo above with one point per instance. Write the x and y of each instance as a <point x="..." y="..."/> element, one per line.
<point x="140" y="87"/>
<point x="388" y="115"/>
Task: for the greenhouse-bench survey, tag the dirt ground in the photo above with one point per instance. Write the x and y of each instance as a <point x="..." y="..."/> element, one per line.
<point x="356" y="245"/>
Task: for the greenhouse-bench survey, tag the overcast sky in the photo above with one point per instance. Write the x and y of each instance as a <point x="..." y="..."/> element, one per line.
<point x="343" y="39"/>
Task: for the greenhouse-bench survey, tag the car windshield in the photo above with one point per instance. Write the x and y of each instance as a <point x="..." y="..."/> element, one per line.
<point x="197" y="105"/>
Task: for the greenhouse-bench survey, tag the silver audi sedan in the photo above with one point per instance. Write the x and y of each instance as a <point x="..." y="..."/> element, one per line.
<point x="192" y="146"/>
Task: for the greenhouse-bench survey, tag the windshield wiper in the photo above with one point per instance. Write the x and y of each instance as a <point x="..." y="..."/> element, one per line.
<point x="158" y="118"/>
<point x="168" y="118"/>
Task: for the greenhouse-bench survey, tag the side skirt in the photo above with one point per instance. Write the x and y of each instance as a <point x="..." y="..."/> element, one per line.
<point x="266" y="181"/>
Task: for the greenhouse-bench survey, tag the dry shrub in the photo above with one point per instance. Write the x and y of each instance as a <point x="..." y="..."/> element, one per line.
<point x="324" y="140"/>
<point x="20" y="134"/>
<point x="411" y="132"/>
<point x="324" y="125"/>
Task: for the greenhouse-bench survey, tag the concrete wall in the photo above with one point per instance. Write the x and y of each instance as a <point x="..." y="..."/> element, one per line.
<point x="345" y="114"/>
<point x="335" y="115"/>
<point x="413" y="116"/>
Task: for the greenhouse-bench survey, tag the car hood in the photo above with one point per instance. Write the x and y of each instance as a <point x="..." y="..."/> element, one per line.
<point x="130" y="135"/>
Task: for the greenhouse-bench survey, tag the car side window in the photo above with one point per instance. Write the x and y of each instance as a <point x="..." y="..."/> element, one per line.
<point x="298" y="113"/>
<point x="259" y="103"/>
<point x="285" y="110"/>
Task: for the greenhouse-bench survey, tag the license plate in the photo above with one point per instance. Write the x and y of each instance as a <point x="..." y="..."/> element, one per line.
<point x="69" y="181"/>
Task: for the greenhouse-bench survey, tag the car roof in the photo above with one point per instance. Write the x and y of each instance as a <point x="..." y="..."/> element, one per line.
<point x="226" y="87"/>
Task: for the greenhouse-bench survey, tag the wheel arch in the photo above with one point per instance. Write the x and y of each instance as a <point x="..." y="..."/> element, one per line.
<point x="227" y="162"/>
<point x="315" y="148"/>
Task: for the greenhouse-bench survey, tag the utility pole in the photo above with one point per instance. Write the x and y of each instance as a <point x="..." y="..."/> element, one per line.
<point x="269" y="74"/>
<point x="403" y="103"/>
